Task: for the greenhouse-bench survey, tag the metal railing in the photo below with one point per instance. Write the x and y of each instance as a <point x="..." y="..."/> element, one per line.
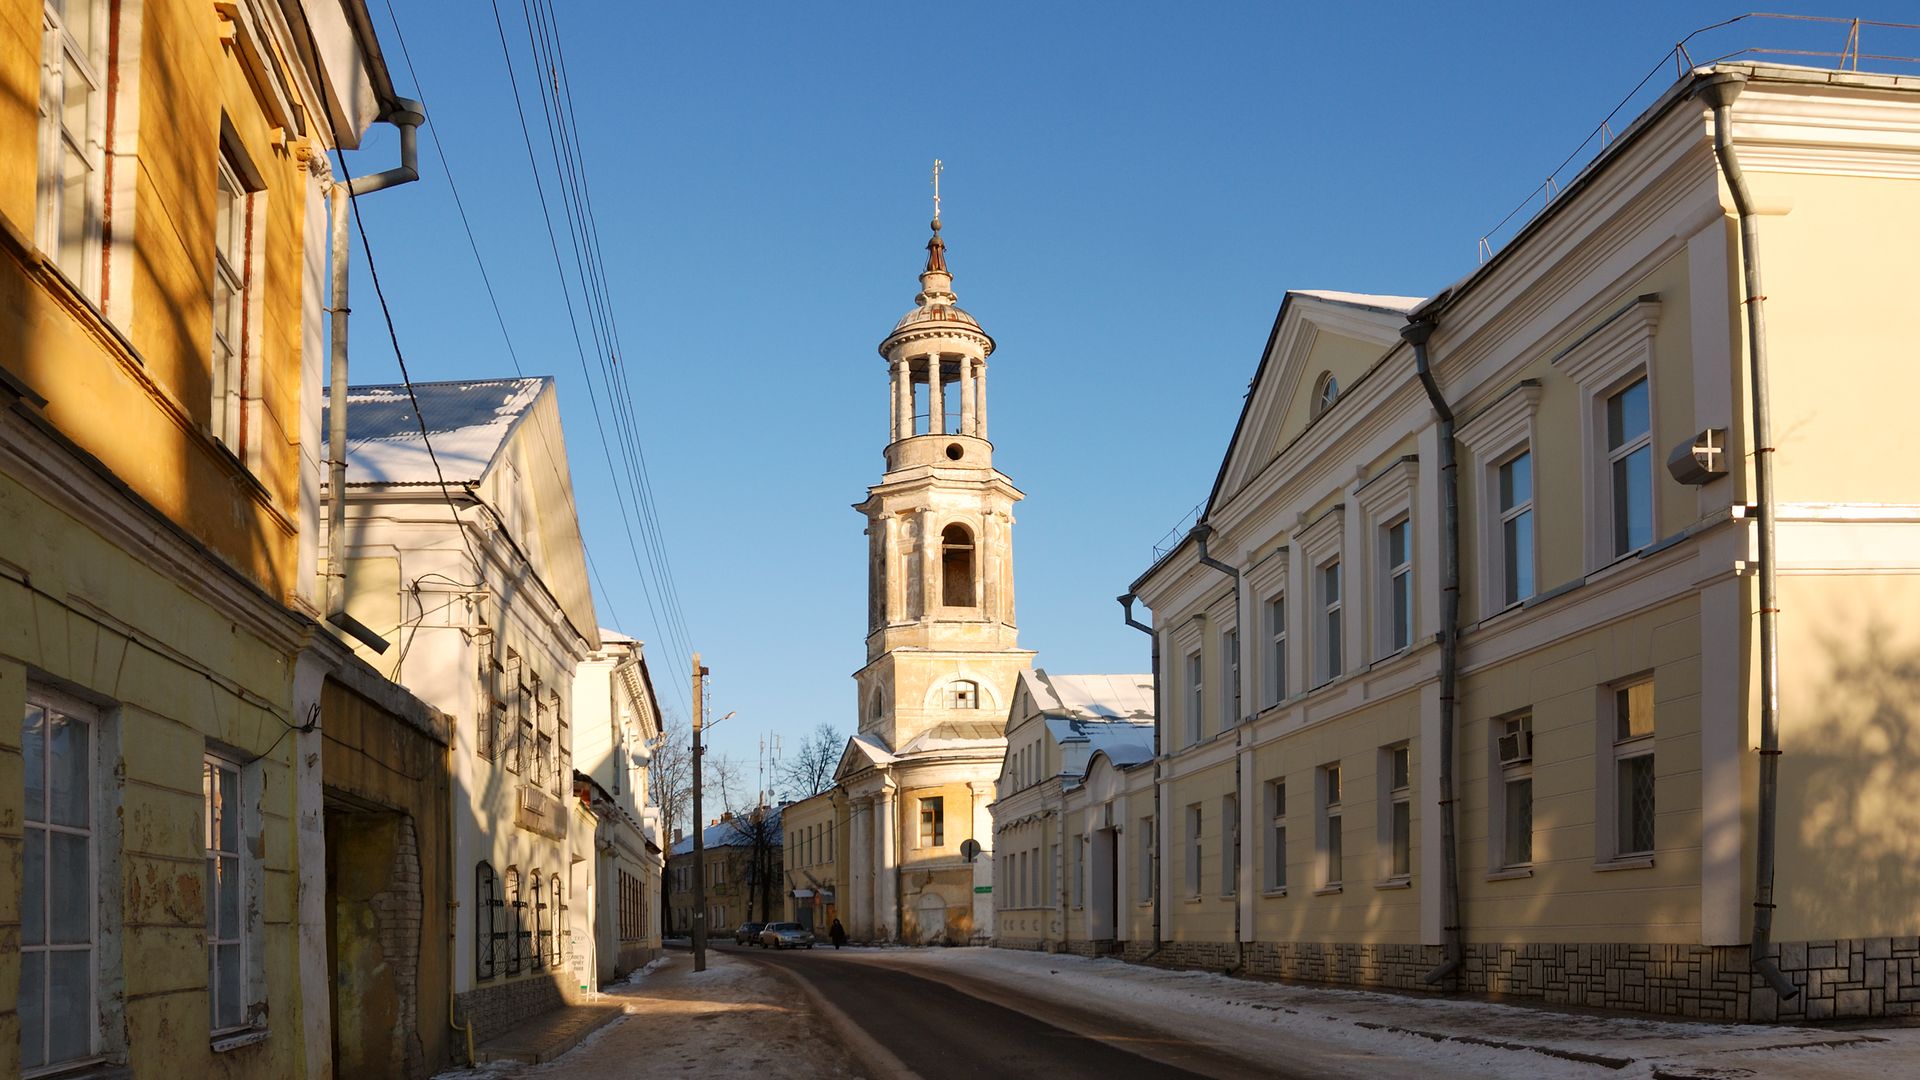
<point x="1847" y="57"/>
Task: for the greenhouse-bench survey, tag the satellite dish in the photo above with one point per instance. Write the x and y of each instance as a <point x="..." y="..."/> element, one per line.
<point x="969" y="849"/>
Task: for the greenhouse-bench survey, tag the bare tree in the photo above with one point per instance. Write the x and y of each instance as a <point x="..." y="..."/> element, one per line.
<point x="723" y="778"/>
<point x="756" y="862"/>
<point x="810" y="771"/>
<point x="670" y="779"/>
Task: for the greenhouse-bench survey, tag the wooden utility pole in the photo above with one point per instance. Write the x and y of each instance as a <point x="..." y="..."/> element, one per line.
<point x="699" y="826"/>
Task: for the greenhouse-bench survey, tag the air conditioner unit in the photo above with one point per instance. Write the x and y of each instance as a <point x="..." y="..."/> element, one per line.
<point x="1516" y="741"/>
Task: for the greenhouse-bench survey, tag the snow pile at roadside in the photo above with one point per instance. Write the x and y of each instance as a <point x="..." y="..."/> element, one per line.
<point x="1433" y="1036"/>
<point x="658" y="962"/>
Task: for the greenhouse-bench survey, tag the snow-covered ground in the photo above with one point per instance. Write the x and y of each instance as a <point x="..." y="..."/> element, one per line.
<point x="736" y="1021"/>
<point x="1341" y="1032"/>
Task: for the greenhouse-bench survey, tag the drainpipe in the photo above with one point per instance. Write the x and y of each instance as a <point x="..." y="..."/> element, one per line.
<point x="1126" y="605"/>
<point x="1719" y="92"/>
<point x="1416" y="333"/>
<point x="407" y="115"/>
<point x="1201" y="533"/>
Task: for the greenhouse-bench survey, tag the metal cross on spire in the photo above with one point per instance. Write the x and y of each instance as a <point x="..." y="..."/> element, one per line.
<point x="936" y="189"/>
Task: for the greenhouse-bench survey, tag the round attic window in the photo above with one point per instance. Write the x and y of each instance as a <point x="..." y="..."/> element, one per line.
<point x="954" y="451"/>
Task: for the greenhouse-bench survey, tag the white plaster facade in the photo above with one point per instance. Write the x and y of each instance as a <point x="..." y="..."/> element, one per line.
<point x="616" y="728"/>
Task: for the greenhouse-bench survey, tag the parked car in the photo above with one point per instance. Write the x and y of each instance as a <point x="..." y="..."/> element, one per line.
<point x="786" y="935"/>
<point x="747" y="934"/>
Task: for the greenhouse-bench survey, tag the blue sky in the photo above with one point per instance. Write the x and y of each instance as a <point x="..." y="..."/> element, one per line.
<point x="1129" y="189"/>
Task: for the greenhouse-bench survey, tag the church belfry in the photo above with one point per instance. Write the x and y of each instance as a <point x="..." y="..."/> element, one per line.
<point x="943" y="654"/>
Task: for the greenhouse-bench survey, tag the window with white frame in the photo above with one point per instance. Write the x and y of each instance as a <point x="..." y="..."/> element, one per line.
<point x="1614" y="363"/>
<point x="1514" y="489"/>
<point x="59" y="933"/>
<point x="1331" y="625"/>
<point x="1276" y="649"/>
<point x="1396" y="797"/>
<point x="1326" y="391"/>
<point x="227" y="898"/>
<point x="1149" y="887"/>
<point x="1630" y="467"/>
<point x="1229" y="845"/>
<point x="1195" y="821"/>
<point x="1332" y="868"/>
<point x="1196" y="697"/>
<point x="1396" y="571"/>
<point x="1500" y="439"/>
<point x="73" y="135"/>
<point x="1633" y="772"/>
<point x="1230" y="656"/>
<point x="1510" y="833"/>
<point x="1052" y="895"/>
<point x="1276" y="853"/>
<point x="233" y="274"/>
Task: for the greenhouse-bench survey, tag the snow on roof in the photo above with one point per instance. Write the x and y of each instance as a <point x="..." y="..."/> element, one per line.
<point x="733" y="832"/>
<point x="467" y="423"/>
<point x="1091" y="697"/>
<point x="957" y="735"/>
<point x="1126" y="742"/>
<point x="1401" y="304"/>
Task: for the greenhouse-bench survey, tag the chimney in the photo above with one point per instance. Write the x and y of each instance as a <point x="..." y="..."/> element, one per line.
<point x="679" y="835"/>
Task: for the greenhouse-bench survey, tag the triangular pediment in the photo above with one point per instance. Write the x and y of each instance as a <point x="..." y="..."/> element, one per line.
<point x="863" y="752"/>
<point x="1315" y="335"/>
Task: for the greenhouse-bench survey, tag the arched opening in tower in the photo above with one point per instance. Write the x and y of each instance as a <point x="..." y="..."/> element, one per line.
<point x="956" y="567"/>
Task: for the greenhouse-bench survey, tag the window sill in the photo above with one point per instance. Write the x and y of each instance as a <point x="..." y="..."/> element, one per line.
<point x="234" y="1040"/>
<point x="1192" y="899"/>
<point x="1627" y="862"/>
<point x="1329" y="890"/>
<point x="1278" y="894"/>
<point x="1510" y="873"/>
<point x="84" y="1070"/>
<point x="1394" y="883"/>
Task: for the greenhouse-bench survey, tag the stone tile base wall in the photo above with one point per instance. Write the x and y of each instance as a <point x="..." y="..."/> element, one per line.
<point x="1862" y="977"/>
<point x="493" y="1009"/>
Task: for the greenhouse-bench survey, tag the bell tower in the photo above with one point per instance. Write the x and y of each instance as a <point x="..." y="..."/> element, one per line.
<point x="941" y="635"/>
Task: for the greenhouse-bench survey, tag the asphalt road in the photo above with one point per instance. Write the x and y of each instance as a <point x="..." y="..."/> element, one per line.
<point x="942" y="1032"/>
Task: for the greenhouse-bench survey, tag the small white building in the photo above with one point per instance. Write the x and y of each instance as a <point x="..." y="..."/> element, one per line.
<point x="467" y="557"/>
<point x="1070" y="784"/>
<point x="616" y="728"/>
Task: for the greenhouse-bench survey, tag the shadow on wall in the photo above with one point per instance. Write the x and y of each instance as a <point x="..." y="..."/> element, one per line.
<point x="1850" y="782"/>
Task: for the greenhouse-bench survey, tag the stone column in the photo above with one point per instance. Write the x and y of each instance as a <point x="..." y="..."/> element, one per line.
<point x="887" y="869"/>
<point x="930" y="598"/>
<point x="982" y="795"/>
<point x="966" y="395"/>
<point x="890" y="573"/>
<point x="902" y="399"/>
<point x="980" y="407"/>
<point x="936" y="398"/>
<point x="859" y="861"/>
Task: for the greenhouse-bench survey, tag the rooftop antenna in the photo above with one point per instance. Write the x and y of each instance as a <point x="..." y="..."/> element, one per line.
<point x="937" y="168"/>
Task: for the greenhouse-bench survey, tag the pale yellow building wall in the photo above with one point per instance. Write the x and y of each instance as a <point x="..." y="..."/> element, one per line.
<point x="1849" y="825"/>
<point x="1203" y="914"/>
<point x="1569" y="898"/>
<point x="1346" y="358"/>
<point x="812" y="853"/>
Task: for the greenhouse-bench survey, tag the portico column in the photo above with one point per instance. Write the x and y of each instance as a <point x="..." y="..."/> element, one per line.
<point x="859" y="860"/>
<point x="982" y="793"/>
<point x="902" y="399"/>
<point x="966" y="395"/>
<point x="936" y="400"/>
<point x="886" y="897"/>
<point x="980" y="407"/>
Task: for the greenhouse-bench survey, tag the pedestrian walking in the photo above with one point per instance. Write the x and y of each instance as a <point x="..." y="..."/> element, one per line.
<point x="838" y="933"/>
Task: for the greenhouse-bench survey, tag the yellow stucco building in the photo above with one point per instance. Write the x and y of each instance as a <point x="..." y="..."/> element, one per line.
<point x="1558" y="790"/>
<point x="191" y="736"/>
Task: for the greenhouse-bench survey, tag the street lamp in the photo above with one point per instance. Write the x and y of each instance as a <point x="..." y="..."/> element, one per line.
<point x="699" y="830"/>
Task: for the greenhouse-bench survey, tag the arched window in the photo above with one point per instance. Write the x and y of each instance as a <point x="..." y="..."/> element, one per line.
<point x="516" y="921"/>
<point x="1326" y="392"/>
<point x="538" y="941"/>
<point x="559" y="922"/>
<point x="956" y="566"/>
<point x="963" y="694"/>
<point x="487" y="928"/>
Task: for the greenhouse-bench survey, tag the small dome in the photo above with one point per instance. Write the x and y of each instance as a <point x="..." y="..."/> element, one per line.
<point x="936" y="313"/>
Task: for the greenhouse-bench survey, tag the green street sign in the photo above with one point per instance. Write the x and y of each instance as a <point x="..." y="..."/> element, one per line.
<point x="983" y="888"/>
